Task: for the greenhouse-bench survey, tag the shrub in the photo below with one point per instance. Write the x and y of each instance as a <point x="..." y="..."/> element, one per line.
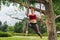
<point x="45" y="34"/>
<point x="5" y="34"/>
<point x="58" y="35"/>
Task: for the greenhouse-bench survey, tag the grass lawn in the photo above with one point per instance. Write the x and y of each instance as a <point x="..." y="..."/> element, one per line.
<point x="24" y="38"/>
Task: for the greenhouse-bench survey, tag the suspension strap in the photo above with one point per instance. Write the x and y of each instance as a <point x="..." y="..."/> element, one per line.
<point x="28" y="7"/>
<point x="40" y="10"/>
<point x="40" y="7"/>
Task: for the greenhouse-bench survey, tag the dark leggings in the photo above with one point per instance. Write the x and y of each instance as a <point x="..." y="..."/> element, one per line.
<point x="34" y="27"/>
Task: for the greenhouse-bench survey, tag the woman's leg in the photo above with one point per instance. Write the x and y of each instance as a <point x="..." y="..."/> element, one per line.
<point x="36" y="29"/>
<point x="26" y="30"/>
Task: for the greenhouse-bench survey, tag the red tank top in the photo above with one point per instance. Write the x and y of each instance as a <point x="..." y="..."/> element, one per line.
<point x="32" y="17"/>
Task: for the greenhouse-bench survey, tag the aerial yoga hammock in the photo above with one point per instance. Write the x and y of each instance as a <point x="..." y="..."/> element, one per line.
<point x="33" y="26"/>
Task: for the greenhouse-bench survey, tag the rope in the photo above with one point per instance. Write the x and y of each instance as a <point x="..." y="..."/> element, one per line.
<point x="40" y="11"/>
<point x="40" y="8"/>
<point x="28" y="6"/>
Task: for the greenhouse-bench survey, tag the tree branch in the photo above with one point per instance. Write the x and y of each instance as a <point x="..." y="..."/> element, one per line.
<point x="46" y="1"/>
<point x="37" y="9"/>
<point x="57" y="16"/>
<point x="38" y="1"/>
<point x="14" y="17"/>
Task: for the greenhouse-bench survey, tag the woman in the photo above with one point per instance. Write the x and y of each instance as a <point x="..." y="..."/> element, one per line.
<point x="33" y="22"/>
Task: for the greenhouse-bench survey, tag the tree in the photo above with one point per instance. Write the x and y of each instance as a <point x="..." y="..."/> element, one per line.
<point x="50" y="21"/>
<point x="18" y="27"/>
<point x="49" y="14"/>
<point x="0" y="25"/>
<point x="4" y="27"/>
<point x="10" y="29"/>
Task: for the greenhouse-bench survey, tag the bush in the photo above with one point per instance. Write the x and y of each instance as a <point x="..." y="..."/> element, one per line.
<point x="45" y="34"/>
<point x="58" y="35"/>
<point x="5" y="34"/>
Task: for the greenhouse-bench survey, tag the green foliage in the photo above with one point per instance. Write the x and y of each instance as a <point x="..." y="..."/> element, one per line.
<point x="32" y="1"/>
<point x="58" y="27"/>
<point x="0" y="23"/>
<point x="58" y="35"/>
<point x="0" y="2"/>
<point x="55" y="1"/>
<point x="45" y="34"/>
<point x="19" y="27"/>
<point x="5" y="34"/>
<point x="58" y="24"/>
<point x="4" y="27"/>
<point x="31" y="31"/>
<point x="58" y="20"/>
<point x="56" y="6"/>
<point x="10" y="29"/>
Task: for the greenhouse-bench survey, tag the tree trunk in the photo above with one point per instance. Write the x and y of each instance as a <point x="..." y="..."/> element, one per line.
<point x="50" y="21"/>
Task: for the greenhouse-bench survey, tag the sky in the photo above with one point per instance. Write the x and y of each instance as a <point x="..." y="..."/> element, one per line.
<point x="15" y="12"/>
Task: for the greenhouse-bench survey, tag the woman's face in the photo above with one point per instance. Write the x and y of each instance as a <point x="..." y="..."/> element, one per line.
<point x="32" y="10"/>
